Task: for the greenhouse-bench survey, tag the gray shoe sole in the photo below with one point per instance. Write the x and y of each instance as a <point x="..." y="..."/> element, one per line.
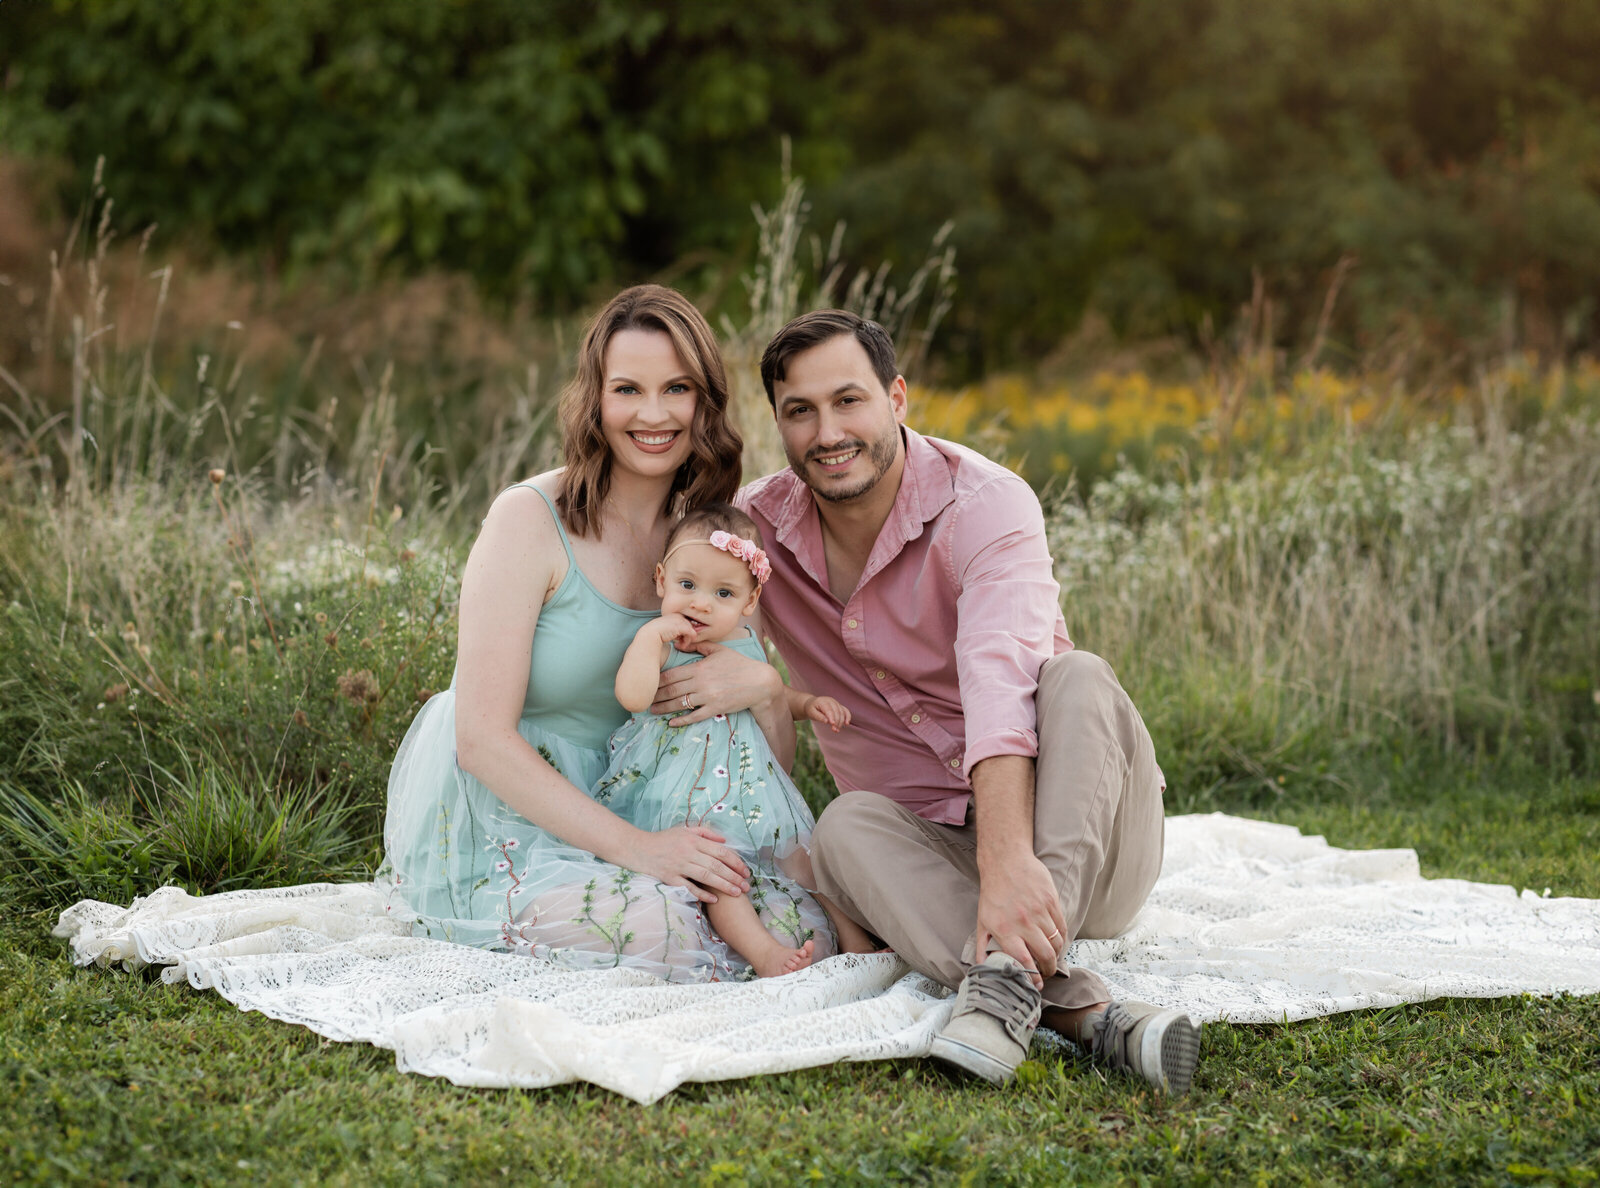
<point x="1169" y="1054"/>
<point x="975" y="1061"/>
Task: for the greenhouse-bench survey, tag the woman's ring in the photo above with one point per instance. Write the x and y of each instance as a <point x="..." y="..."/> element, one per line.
<point x="685" y="701"/>
<point x="1054" y="934"/>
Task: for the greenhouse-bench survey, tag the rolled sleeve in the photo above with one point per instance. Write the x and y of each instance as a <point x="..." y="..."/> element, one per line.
<point x="1006" y="616"/>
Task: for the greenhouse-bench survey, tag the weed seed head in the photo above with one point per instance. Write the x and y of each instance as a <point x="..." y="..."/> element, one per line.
<point x="358" y="687"/>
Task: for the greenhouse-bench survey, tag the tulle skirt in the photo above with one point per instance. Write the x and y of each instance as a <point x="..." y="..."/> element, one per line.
<point x="470" y="869"/>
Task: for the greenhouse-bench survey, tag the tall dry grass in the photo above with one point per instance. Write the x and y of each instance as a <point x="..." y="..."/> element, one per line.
<point x="1287" y="603"/>
<point x="1436" y="590"/>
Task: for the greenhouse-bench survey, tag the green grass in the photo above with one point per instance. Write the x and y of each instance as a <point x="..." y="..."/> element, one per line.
<point x="108" y="1077"/>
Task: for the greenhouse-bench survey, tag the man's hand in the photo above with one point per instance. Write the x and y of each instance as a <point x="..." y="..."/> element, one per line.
<point x="1019" y="911"/>
<point x="723" y="683"/>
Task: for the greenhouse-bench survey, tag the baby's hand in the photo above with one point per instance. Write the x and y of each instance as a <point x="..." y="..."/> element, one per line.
<point x="826" y="709"/>
<point x="675" y="629"/>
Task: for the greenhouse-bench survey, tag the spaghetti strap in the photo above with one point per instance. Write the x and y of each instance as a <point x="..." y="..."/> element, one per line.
<point x="556" y="516"/>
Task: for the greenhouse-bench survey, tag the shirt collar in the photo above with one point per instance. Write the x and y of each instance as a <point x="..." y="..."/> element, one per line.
<point x="926" y="489"/>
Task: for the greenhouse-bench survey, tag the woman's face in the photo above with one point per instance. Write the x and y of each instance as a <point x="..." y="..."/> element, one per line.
<point x="647" y="404"/>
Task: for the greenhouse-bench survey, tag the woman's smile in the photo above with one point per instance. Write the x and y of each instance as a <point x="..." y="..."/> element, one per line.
<point x="659" y="442"/>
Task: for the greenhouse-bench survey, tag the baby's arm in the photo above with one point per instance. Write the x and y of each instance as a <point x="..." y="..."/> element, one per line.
<point x="640" y="671"/>
<point x="818" y="709"/>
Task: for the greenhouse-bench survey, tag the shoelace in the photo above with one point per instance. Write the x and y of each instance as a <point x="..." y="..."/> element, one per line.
<point x="1111" y="1030"/>
<point x="1008" y="995"/>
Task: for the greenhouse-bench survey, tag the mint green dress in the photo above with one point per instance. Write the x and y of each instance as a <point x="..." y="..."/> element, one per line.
<point x="471" y="869"/>
<point x="719" y="773"/>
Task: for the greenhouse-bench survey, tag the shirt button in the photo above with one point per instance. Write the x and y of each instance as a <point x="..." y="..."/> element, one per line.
<point x="851" y="624"/>
<point x="955" y="763"/>
<point x="916" y="717"/>
<point x="880" y="674"/>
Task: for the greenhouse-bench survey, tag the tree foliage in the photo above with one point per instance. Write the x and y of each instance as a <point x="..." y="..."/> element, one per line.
<point x="1141" y="159"/>
<point x="1137" y="160"/>
<point x="529" y="143"/>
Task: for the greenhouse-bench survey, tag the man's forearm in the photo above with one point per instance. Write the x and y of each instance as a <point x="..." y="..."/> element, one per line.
<point x="1002" y="795"/>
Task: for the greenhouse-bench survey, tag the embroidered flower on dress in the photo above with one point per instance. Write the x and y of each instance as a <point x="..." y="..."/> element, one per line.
<point x="502" y="866"/>
<point x="720" y="772"/>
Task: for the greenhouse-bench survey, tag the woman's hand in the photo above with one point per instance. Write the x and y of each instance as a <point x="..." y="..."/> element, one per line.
<point x="690" y="856"/>
<point x="723" y="683"/>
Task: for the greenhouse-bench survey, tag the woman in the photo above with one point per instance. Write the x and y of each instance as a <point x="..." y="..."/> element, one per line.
<point x="491" y="836"/>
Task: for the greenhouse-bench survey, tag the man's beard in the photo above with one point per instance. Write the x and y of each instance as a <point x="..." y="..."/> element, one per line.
<point x="880" y="454"/>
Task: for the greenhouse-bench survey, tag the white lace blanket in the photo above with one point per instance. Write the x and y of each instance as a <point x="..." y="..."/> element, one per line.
<point x="1250" y="922"/>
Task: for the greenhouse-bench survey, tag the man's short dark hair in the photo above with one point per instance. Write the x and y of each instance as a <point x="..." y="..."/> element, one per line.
<point x="817" y="327"/>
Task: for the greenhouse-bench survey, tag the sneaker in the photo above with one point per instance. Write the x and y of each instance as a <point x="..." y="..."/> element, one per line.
<point x="997" y="1010"/>
<point x="1152" y="1042"/>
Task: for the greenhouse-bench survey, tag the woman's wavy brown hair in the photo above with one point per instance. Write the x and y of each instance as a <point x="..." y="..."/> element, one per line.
<point x="711" y="472"/>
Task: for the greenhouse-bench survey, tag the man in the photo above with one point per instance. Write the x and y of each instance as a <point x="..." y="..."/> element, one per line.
<point x="1000" y="797"/>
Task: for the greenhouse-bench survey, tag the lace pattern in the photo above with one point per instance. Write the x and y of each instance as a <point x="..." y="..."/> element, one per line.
<point x="1250" y="921"/>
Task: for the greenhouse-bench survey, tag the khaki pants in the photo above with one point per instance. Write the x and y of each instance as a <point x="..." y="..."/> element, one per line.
<point x="1098" y="829"/>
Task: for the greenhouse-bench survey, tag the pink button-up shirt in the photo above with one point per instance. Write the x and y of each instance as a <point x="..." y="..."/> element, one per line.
<point x="937" y="651"/>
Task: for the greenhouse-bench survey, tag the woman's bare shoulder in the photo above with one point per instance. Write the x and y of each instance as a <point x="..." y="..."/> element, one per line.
<point x="523" y="505"/>
<point x="520" y="540"/>
<point x="549" y="482"/>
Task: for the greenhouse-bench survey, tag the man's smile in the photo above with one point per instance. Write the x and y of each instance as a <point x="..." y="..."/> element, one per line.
<point x="837" y="461"/>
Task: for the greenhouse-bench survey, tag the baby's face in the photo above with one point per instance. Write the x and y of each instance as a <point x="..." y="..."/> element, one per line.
<point x="710" y="588"/>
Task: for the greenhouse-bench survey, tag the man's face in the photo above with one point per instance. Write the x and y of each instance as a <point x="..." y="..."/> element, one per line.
<point x="840" y="426"/>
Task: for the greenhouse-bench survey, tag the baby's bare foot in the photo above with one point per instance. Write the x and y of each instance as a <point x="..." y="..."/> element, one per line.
<point x="780" y="959"/>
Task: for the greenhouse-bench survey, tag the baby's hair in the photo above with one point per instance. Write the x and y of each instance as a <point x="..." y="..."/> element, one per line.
<point x="709" y="518"/>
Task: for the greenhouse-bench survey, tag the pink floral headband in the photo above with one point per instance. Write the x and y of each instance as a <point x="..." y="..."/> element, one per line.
<point x="737" y="546"/>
